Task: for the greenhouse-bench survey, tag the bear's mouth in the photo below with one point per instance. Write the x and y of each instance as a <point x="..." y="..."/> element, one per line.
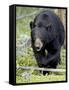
<point x="38" y="48"/>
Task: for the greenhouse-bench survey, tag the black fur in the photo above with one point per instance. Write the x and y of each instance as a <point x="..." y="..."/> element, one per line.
<point x="48" y="27"/>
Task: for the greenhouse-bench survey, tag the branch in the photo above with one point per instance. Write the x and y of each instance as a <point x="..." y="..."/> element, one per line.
<point x="23" y="16"/>
<point x="27" y="15"/>
<point x="43" y="69"/>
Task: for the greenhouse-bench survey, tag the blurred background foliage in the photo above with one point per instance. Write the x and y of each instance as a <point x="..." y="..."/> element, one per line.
<point x="24" y="52"/>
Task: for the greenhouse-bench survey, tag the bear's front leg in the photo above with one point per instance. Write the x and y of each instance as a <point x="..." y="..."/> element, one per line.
<point x="41" y="61"/>
<point x="40" y="58"/>
<point x="53" y="57"/>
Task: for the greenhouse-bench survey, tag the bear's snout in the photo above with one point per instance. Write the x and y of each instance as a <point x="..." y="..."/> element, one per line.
<point x="38" y="44"/>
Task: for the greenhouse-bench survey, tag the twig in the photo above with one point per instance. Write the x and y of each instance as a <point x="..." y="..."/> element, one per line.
<point x="43" y="69"/>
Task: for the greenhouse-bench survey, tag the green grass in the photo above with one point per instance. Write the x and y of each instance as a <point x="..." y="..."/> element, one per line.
<point x="37" y="78"/>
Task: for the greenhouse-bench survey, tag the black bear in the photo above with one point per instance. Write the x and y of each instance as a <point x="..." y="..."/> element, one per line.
<point x="47" y="37"/>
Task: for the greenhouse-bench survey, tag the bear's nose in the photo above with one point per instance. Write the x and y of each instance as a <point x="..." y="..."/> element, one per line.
<point x="37" y="48"/>
<point x="38" y="44"/>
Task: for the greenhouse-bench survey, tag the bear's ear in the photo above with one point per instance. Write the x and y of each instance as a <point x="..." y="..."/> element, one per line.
<point x="31" y="24"/>
<point x="48" y="21"/>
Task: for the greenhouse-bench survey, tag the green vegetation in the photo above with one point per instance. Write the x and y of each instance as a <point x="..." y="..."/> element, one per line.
<point x="27" y="59"/>
<point x="37" y="78"/>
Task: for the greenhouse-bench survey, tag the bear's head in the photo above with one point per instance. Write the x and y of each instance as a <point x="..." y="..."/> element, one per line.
<point x="42" y="31"/>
